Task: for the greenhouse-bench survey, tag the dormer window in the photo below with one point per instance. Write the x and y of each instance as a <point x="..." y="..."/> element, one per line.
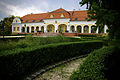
<point x="16" y="21"/>
<point x="62" y="15"/>
<point x="26" y="21"/>
<point x="41" y="20"/>
<point x="76" y="18"/>
<point x="51" y="16"/>
<point x="33" y="20"/>
<point x="86" y="18"/>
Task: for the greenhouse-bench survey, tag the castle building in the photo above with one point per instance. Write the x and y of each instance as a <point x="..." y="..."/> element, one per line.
<point x="56" y="21"/>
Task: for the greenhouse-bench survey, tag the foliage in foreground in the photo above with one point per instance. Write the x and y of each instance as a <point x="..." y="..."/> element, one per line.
<point x="34" y="41"/>
<point x="102" y="64"/>
<point x="22" y="61"/>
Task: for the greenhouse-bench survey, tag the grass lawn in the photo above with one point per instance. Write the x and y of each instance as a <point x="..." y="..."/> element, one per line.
<point x="29" y="41"/>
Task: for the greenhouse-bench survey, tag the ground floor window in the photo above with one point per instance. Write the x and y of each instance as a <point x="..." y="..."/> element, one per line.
<point x="18" y="28"/>
<point x="14" y="28"/>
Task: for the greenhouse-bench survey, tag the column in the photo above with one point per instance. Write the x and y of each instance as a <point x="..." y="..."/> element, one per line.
<point x="105" y="28"/>
<point x="34" y="29"/>
<point x="39" y="28"/>
<point x="82" y="27"/>
<point x="45" y="28"/>
<point x="25" y="29"/>
<point x="75" y="28"/>
<point x="89" y="29"/>
<point x="56" y="26"/>
<point x="20" y="28"/>
<point x="97" y="29"/>
<point x="29" y="29"/>
<point x="68" y="27"/>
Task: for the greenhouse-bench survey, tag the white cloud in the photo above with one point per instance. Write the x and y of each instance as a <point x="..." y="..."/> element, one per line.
<point x="18" y="11"/>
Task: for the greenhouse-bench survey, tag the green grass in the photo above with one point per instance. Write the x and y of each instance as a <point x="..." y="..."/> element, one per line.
<point x="33" y="41"/>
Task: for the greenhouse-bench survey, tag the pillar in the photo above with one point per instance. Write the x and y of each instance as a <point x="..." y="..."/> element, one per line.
<point x="68" y="27"/>
<point x="29" y="29"/>
<point x="20" y="28"/>
<point x="39" y="28"/>
<point x="89" y="29"/>
<point x="25" y="29"/>
<point x="97" y="29"/>
<point x="105" y="28"/>
<point x="56" y="26"/>
<point x="34" y="29"/>
<point x="75" y="28"/>
<point x="82" y="27"/>
<point x="45" y="28"/>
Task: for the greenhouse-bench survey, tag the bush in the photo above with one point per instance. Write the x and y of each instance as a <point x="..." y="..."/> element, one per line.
<point x="28" y="41"/>
<point x="16" y="64"/>
<point x="101" y="64"/>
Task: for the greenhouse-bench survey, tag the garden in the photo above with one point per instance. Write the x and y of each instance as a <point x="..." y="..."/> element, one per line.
<point x="21" y="57"/>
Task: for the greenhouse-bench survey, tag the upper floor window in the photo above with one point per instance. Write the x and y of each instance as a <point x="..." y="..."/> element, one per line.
<point x="51" y="16"/>
<point x="41" y="20"/>
<point x="16" y="21"/>
<point x="33" y="20"/>
<point x="62" y="15"/>
<point x="86" y="18"/>
<point x="76" y="18"/>
<point x="26" y="20"/>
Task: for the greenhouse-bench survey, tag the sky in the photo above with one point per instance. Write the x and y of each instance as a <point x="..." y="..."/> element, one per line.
<point x="24" y="7"/>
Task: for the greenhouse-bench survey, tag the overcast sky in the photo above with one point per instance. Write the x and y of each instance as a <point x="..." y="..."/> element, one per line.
<point x="23" y="7"/>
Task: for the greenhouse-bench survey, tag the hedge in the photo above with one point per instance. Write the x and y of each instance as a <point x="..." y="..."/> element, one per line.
<point x="102" y="64"/>
<point x="23" y="61"/>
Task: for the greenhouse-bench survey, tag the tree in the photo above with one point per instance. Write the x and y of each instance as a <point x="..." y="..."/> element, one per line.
<point x="5" y="25"/>
<point x="106" y="12"/>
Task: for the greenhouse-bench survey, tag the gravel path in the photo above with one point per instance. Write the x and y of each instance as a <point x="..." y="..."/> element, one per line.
<point x="61" y="72"/>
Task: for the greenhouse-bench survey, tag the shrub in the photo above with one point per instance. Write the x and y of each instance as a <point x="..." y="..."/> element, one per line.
<point x="99" y="65"/>
<point x="28" y="41"/>
<point x="16" y="64"/>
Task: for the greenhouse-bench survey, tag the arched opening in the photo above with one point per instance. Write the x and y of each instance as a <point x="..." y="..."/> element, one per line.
<point x="50" y="28"/>
<point x="72" y="28"/>
<point x="62" y="28"/>
<point x="23" y="29"/>
<point x="37" y="28"/>
<point x="27" y="29"/>
<point x="32" y="29"/>
<point x="101" y="29"/>
<point x="42" y="29"/>
<point x="93" y="29"/>
<point x="86" y="29"/>
<point x="79" y="29"/>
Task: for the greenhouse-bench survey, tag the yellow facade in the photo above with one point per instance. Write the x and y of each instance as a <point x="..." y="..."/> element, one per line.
<point x="16" y="28"/>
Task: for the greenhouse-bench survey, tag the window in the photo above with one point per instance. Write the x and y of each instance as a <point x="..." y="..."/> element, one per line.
<point x="62" y="15"/>
<point x="26" y="20"/>
<point x="16" y="21"/>
<point x="41" y="20"/>
<point x="86" y="18"/>
<point x="33" y="20"/>
<point x="51" y="16"/>
<point x="14" y="28"/>
<point x="76" y="18"/>
<point x="17" y="28"/>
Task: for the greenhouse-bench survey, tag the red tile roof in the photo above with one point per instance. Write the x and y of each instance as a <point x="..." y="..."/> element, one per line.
<point x="73" y="15"/>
